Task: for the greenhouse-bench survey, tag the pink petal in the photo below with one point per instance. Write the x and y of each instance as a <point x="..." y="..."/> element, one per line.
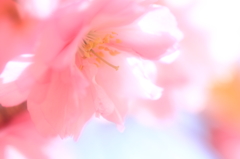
<point x="121" y="83"/>
<point x="96" y="14"/>
<point x="117" y="13"/>
<point x="150" y="41"/>
<point x="131" y="80"/>
<point x="21" y="136"/>
<point x="162" y="108"/>
<point x="119" y="112"/>
<point x="142" y="70"/>
<point x="10" y="94"/>
<point x="67" y="55"/>
<point x="148" y="46"/>
<point x="60" y="110"/>
<point x="50" y="44"/>
<point x="18" y="31"/>
<point x="119" y="86"/>
<point x="103" y="103"/>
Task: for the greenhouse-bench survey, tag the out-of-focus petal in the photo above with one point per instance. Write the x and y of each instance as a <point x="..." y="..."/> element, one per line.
<point x="10" y="95"/>
<point x="10" y="92"/>
<point x="18" y="31"/>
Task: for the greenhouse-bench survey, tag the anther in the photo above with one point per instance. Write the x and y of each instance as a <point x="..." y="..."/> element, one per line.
<point x="115" y="67"/>
<point x="118" y="41"/>
<point x="113" y="53"/>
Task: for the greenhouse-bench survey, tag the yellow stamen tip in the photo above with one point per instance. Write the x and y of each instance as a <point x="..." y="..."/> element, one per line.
<point x="86" y="54"/>
<point x="98" y="60"/>
<point x="100" y="54"/>
<point x="118" y="41"/>
<point x="80" y="67"/>
<point x="109" y="64"/>
<point x="105" y="40"/>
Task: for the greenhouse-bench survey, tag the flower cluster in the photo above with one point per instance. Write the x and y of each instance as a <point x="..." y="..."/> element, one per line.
<point x="84" y="58"/>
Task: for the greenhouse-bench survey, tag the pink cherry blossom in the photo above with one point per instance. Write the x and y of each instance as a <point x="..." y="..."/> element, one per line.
<point x="90" y="60"/>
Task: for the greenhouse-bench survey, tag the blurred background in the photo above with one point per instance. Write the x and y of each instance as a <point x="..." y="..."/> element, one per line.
<point x="199" y="114"/>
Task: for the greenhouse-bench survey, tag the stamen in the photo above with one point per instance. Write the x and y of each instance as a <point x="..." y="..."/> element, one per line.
<point x="100" y="54"/>
<point x="113" y="53"/>
<point x="96" y="64"/>
<point x="81" y="51"/>
<point x="98" y="60"/>
<point x="118" y="41"/>
<point x="115" y="67"/>
<point x="80" y="67"/>
<point x="105" y="39"/>
<point x="93" y="45"/>
<point x="84" y="42"/>
<point x="88" y="46"/>
<point x="86" y="54"/>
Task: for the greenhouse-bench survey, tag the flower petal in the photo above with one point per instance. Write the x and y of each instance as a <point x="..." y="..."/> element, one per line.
<point x="123" y="85"/>
<point x="10" y="94"/>
<point x="57" y="108"/>
<point x="151" y="41"/>
<point x="148" y="46"/>
<point x="122" y="13"/>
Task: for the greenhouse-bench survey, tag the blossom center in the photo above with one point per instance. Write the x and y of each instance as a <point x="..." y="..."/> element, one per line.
<point x="95" y="47"/>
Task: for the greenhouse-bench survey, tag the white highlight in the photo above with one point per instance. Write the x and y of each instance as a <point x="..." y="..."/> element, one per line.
<point x="161" y="20"/>
<point x="178" y="3"/>
<point x="170" y="58"/>
<point x="41" y="8"/>
<point x="26" y="55"/>
<point x="12" y="152"/>
<point x="14" y="69"/>
<point x="142" y="71"/>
